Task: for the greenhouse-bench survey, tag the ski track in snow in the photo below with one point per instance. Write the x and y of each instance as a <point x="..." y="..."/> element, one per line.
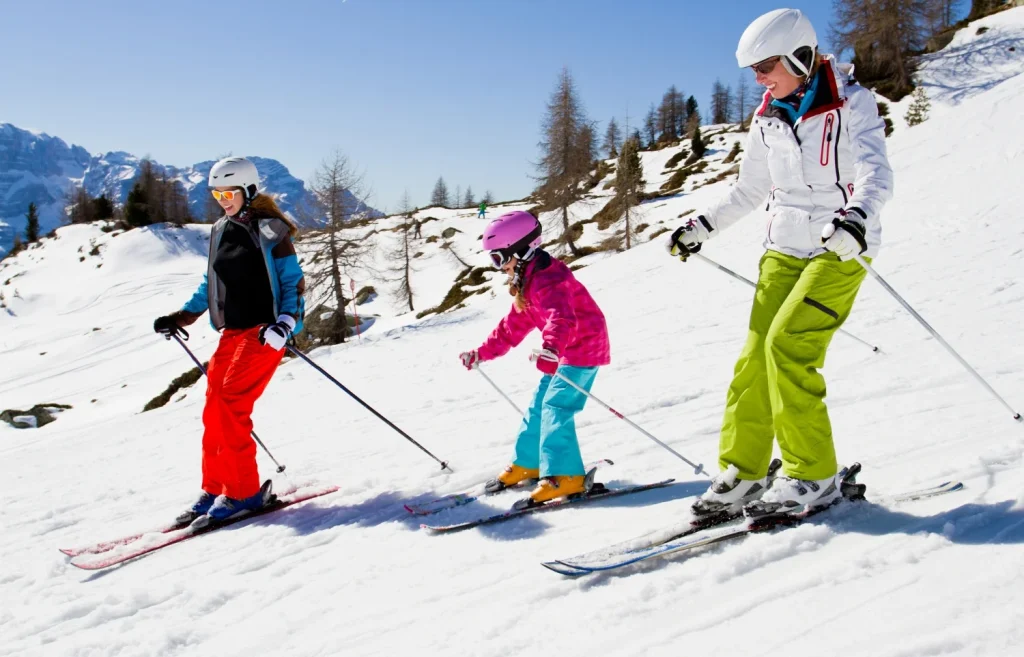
<point x="351" y="573"/>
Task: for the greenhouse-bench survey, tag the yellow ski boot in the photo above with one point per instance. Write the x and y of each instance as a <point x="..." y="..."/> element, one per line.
<point x="551" y="488"/>
<point x="511" y="476"/>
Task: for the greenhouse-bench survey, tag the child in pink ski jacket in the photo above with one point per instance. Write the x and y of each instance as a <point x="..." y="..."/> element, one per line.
<point x="574" y="340"/>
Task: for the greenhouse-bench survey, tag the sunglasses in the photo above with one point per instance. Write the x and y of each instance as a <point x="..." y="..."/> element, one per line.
<point x="499" y="259"/>
<point x="228" y="195"/>
<point x="766" y="66"/>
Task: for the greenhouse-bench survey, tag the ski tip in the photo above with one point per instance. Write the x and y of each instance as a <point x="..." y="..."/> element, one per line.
<point x="564" y="569"/>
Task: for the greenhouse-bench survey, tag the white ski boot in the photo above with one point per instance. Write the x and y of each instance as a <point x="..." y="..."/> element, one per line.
<point x="728" y="494"/>
<point x="787" y="496"/>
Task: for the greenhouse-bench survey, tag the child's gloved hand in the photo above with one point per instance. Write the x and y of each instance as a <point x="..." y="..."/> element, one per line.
<point x="470" y="359"/>
<point x="546" y="360"/>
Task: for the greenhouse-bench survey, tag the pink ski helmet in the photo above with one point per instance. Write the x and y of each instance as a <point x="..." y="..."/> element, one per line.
<point x="513" y="234"/>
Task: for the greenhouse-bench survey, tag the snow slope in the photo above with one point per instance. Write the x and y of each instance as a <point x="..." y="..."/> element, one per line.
<point x="351" y="574"/>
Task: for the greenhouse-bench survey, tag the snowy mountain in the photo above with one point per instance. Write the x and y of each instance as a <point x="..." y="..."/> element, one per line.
<point x="35" y="167"/>
<point x="353" y="574"/>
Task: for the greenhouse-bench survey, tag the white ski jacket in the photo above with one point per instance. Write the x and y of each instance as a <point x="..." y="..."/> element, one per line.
<point x="833" y="158"/>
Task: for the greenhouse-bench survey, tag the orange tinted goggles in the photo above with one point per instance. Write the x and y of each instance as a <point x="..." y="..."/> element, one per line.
<point x="228" y="195"/>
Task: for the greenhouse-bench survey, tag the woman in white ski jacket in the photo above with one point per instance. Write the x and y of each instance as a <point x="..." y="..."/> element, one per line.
<point x="816" y="162"/>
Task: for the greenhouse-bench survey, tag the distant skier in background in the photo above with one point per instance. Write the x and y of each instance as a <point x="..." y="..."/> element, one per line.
<point x="575" y="343"/>
<point x="482" y="214"/>
<point x="253" y="288"/>
<point x="816" y="153"/>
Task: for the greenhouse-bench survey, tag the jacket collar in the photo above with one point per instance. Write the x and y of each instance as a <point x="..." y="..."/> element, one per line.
<point x="829" y="94"/>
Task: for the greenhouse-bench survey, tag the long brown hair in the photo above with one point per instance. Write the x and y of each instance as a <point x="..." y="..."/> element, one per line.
<point x="263" y="206"/>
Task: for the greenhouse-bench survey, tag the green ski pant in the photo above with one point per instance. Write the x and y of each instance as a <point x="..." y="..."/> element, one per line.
<point x="777" y="390"/>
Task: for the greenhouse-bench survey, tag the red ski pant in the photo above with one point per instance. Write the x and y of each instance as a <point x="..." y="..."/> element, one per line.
<point x="236" y="376"/>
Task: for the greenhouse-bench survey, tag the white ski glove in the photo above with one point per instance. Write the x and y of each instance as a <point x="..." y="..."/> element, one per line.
<point x="275" y="335"/>
<point x="845" y="236"/>
<point x="687" y="238"/>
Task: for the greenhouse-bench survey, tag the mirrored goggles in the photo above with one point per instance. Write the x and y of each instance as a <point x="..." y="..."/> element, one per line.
<point x="227" y="195"/>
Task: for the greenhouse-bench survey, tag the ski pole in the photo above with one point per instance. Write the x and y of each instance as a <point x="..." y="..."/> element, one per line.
<point x="754" y="285"/>
<point x="444" y="464"/>
<point x="935" y="334"/>
<point x="698" y="468"/>
<point x="280" y="468"/>
<point x="495" y="386"/>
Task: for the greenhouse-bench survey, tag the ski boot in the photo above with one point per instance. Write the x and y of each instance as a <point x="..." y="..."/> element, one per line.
<point x="225" y="507"/>
<point x="199" y="508"/>
<point x="789" y="496"/>
<point x="558" y="486"/>
<point x="513" y="475"/>
<point x="728" y="494"/>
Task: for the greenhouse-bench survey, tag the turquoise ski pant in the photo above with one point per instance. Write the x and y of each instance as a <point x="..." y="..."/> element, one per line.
<point x="777" y="390"/>
<point x="547" y="435"/>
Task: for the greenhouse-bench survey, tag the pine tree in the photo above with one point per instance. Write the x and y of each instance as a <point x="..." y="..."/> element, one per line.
<point x="439" y="197"/>
<point x="697" y="145"/>
<point x="488" y="198"/>
<point x="629" y="182"/>
<point x="32" y="224"/>
<point x="651" y="126"/>
<point x="136" y="209"/>
<point x="102" y="207"/>
<point x="470" y="200"/>
<point x="919" y="106"/>
<point x="612" y="137"/>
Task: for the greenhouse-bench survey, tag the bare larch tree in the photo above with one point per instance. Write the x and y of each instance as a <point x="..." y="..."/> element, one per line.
<point x="567" y="153"/>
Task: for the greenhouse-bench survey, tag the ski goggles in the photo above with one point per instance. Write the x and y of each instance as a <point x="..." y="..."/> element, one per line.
<point x="766" y="66"/>
<point x="499" y="258"/>
<point x="228" y="195"/>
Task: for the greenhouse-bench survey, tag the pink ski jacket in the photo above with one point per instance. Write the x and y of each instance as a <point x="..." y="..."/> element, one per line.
<point x="569" y="320"/>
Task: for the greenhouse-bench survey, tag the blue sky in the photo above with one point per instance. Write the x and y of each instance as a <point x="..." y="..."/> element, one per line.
<point x="408" y="89"/>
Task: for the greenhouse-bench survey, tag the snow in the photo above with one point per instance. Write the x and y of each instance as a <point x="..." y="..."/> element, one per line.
<point x="353" y="574"/>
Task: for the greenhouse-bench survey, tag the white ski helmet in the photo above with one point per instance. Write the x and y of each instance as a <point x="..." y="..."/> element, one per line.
<point x="782" y="33"/>
<point x="235" y="172"/>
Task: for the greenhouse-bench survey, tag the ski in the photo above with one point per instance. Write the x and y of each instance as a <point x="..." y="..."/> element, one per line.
<point x="473" y="493"/>
<point x="599" y="492"/>
<point x="688" y="536"/>
<point x="105" y="546"/>
<point x="129" y="548"/>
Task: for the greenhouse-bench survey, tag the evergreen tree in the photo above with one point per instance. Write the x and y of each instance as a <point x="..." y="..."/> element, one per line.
<point x="102" y="207"/>
<point x="651" y="126"/>
<point x="439" y="197"/>
<point x="919" y="106"/>
<point x="612" y="137"/>
<point x="32" y="224"/>
<point x="697" y="145"/>
<point x="136" y="208"/>
<point x="470" y="200"/>
<point x="488" y="198"/>
<point x="629" y="183"/>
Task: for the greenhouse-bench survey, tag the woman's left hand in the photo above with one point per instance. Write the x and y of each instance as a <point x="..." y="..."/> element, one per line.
<point x="276" y="335"/>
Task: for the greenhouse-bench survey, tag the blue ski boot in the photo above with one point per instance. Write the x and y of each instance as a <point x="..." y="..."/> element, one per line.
<point x="225" y="507"/>
<point x="200" y="508"/>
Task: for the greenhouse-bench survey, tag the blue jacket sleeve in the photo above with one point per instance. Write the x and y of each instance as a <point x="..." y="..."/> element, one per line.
<point x="199" y="301"/>
<point x="292" y="282"/>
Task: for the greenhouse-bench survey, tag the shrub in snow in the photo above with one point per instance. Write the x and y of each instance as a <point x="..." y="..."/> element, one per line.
<point x="918" y="111"/>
